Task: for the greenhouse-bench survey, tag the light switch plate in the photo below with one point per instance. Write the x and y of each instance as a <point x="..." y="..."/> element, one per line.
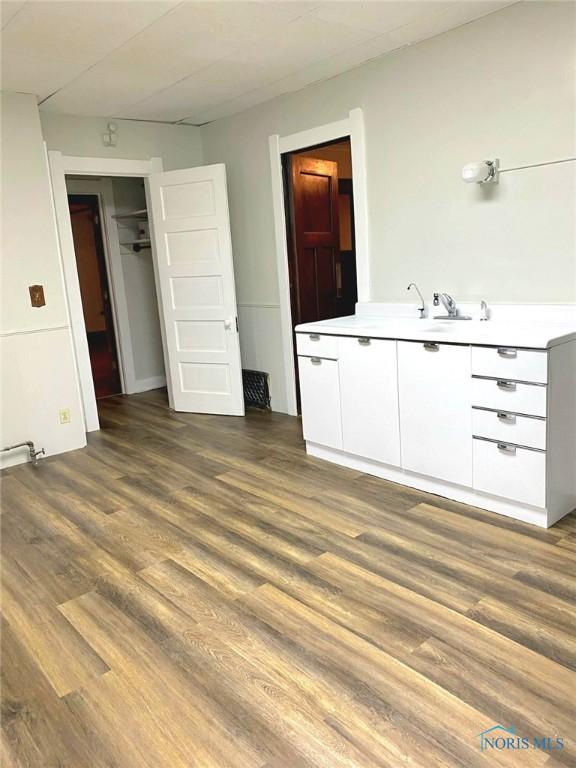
<point x="37" y="295"/>
<point x="64" y="415"/>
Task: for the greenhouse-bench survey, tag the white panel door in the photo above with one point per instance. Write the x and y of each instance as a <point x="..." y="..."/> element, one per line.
<point x="436" y="410"/>
<point x="192" y="251"/>
<point x="369" y="393"/>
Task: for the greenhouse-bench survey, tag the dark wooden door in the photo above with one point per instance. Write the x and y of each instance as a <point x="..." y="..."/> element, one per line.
<point x="314" y="252"/>
<point x="95" y="292"/>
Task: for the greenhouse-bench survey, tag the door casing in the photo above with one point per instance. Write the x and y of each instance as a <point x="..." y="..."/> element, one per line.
<point x="352" y="126"/>
<point x="61" y="166"/>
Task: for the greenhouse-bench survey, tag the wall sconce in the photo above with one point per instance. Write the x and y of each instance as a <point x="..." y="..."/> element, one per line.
<point x="110" y="138"/>
<point x="484" y="172"/>
<point x="488" y="171"/>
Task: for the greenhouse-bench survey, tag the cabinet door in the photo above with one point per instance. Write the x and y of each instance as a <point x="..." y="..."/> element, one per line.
<point x="435" y="410"/>
<point x="369" y="397"/>
<point x="320" y="399"/>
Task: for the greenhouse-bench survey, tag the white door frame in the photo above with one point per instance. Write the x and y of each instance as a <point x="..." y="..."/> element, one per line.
<point x="60" y="166"/>
<point x="352" y="126"/>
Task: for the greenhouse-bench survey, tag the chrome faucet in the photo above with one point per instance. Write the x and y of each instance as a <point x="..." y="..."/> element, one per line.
<point x="450" y="306"/>
<point x="447" y="301"/>
<point x="422" y="307"/>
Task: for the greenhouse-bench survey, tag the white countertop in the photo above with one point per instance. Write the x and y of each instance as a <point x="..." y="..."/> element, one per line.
<point x="535" y="335"/>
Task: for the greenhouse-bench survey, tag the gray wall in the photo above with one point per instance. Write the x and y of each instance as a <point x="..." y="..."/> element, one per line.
<point x="179" y="146"/>
<point x="502" y="86"/>
<point x="37" y="374"/>
<point x="141" y="298"/>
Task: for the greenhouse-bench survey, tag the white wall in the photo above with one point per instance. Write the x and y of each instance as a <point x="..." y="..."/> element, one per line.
<point x="179" y="146"/>
<point x="502" y="86"/>
<point x="141" y="298"/>
<point x="37" y="368"/>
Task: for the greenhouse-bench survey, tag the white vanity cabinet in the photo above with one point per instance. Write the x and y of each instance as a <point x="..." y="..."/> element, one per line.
<point x="487" y="425"/>
<point x="435" y="410"/>
<point x="369" y="398"/>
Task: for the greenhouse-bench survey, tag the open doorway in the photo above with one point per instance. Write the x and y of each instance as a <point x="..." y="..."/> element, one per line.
<point x="169" y="261"/>
<point x="112" y="250"/>
<point x="95" y="292"/>
<point x="319" y="200"/>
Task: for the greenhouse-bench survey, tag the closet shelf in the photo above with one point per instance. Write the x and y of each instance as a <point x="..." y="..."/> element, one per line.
<point x="140" y="214"/>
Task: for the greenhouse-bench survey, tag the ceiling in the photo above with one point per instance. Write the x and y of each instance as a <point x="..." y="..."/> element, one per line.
<point x="193" y="62"/>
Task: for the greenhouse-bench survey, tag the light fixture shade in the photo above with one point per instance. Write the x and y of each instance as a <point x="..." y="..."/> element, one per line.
<point x="482" y="172"/>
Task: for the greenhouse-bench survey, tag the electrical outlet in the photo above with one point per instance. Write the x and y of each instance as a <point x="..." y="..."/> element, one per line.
<point x="64" y="415"/>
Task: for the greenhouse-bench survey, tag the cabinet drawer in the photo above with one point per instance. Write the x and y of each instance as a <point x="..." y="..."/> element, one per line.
<point x="320" y="398"/>
<point x="317" y="345"/>
<point x="510" y="363"/>
<point x="518" y="474"/>
<point x="505" y="395"/>
<point x="509" y="428"/>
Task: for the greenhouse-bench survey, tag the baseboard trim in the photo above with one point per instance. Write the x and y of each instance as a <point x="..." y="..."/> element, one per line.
<point x="145" y="385"/>
<point x="533" y="515"/>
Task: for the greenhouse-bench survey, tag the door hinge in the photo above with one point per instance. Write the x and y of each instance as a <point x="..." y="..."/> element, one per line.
<point x="236" y="325"/>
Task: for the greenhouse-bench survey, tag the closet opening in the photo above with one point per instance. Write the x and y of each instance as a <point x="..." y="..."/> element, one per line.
<point x="110" y="230"/>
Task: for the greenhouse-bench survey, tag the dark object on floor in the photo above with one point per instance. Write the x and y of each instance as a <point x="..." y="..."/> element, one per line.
<point x="256" y="391"/>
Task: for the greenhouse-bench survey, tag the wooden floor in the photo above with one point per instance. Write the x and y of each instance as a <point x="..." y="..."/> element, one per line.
<point x="193" y="591"/>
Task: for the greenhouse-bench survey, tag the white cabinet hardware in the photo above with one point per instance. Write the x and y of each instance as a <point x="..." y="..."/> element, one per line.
<point x="431" y="347"/>
<point x="506" y="352"/>
<point x="364" y="341"/>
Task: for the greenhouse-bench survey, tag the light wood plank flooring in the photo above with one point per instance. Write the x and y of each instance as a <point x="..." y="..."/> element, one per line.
<point x="195" y="592"/>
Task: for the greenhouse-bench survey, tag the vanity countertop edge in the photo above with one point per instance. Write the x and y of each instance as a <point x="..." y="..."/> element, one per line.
<point x="529" y="335"/>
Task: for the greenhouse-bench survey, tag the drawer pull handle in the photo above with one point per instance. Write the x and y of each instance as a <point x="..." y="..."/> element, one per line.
<point x="314" y="337"/>
<point x="509" y="385"/>
<point x="431" y="347"/>
<point x="509" y="417"/>
<point x="316" y="360"/>
<point x="506" y="448"/>
<point x="365" y="341"/>
<point x="507" y="352"/>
